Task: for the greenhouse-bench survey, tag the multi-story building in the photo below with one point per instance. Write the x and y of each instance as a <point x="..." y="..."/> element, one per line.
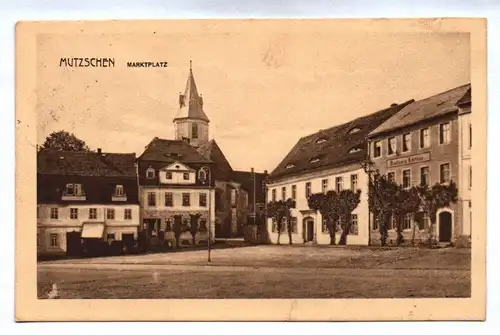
<point x="85" y="196"/>
<point x="176" y="190"/>
<point x="419" y="145"/>
<point x="329" y="159"/>
<point x="465" y="162"/>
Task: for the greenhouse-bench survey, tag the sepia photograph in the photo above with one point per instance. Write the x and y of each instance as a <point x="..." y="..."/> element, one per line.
<point x="245" y="161"/>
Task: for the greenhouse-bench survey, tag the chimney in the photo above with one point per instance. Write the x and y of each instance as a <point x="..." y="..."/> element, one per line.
<point x="99" y="151"/>
<point x="265" y="171"/>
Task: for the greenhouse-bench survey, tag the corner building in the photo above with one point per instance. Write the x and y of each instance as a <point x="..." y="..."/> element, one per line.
<point x="419" y="145"/>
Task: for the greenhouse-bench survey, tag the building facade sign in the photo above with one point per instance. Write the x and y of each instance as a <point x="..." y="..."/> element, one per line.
<point x="423" y="157"/>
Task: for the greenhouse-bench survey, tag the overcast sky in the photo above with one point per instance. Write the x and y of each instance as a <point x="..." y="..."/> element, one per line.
<point x="262" y="89"/>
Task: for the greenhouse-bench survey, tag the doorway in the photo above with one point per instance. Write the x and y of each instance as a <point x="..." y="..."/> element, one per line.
<point x="308" y="229"/>
<point x="445" y="227"/>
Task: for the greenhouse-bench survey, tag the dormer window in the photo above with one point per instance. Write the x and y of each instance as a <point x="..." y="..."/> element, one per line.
<point x="150" y="173"/>
<point x="185" y="176"/>
<point x="289" y="166"/>
<point x="202" y="175"/>
<point x="73" y="189"/>
<point x="119" y="191"/>
<point x="355" y="149"/>
<point x="168" y="175"/>
<point x="315" y="160"/>
<point x="354" y="130"/>
<point x="321" y="140"/>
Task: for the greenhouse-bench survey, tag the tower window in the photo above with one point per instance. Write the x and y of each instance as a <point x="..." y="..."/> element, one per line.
<point x="194" y="131"/>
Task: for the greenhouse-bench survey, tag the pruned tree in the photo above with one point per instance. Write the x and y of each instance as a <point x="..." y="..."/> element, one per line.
<point x="381" y="194"/>
<point x="64" y="141"/>
<point x="434" y="198"/>
<point x="328" y="205"/>
<point x="405" y="202"/>
<point x="194" y="226"/>
<point x="348" y="201"/>
<point x="280" y="211"/>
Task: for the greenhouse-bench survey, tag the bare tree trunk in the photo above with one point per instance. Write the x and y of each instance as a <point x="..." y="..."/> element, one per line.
<point x="413" y="233"/>
<point x="431" y="230"/>
<point x="279" y="234"/>
<point x="290" y="233"/>
<point x="399" y="239"/>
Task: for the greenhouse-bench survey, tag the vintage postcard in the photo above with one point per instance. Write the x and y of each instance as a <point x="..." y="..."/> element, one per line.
<point x="262" y="170"/>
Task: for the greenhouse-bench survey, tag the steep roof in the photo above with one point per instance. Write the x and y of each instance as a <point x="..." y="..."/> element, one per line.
<point x="169" y="151"/>
<point x="425" y="109"/>
<point x="191" y="103"/>
<point x="340" y="145"/>
<point x="222" y="170"/>
<point x="245" y="178"/>
<point x="86" y="163"/>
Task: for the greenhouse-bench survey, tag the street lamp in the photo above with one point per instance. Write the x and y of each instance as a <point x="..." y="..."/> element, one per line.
<point x="209" y="173"/>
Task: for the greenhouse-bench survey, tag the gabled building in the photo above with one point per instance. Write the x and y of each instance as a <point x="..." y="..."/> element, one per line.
<point x="329" y="159"/>
<point x="422" y="144"/>
<point x="85" y="196"/>
<point x="176" y="189"/>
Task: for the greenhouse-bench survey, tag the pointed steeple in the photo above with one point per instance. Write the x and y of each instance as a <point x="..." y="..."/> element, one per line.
<point x="191" y="103"/>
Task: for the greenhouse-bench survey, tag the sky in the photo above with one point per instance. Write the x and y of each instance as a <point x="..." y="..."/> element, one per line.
<point x="262" y="88"/>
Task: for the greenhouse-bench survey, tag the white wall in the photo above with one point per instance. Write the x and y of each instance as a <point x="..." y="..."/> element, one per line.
<point x="316" y="187"/>
<point x="465" y="164"/>
<point x="118" y="226"/>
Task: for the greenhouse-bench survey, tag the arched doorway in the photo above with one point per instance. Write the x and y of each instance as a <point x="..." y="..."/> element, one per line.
<point x="308" y="229"/>
<point x="445" y="226"/>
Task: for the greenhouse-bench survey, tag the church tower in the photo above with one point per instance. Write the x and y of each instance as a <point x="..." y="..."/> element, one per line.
<point x="191" y="122"/>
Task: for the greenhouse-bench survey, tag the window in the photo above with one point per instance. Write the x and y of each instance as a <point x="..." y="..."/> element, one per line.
<point x="406" y="142"/>
<point x="391" y="145"/>
<point x="185" y="175"/>
<point x="314" y="160"/>
<point x="308" y="189"/>
<point x="354" y="130"/>
<point x="283" y="193"/>
<point x="73" y="189"/>
<point x="194" y="131"/>
<point x="392" y="223"/>
<point x="293" y="224"/>
<point x="324" y="226"/>
<point x="169" y="199"/>
<point x="289" y="166"/>
<point x="470" y="136"/>
<point x="294" y="192"/>
<point x="54" y="240"/>
<point x="406" y="178"/>
<point x="391" y="177"/>
<point x="424" y="176"/>
<point x="470" y="177"/>
<point x="151" y="199"/>
<point x="354" y="182"/>
<point x="353" y="230"/>
<point x="119" y="191"/>
<point x="407" y="222"/>
<point x="321" y="140"/>
<point x="324" y="185"/>
<point x="110" y="214"/>
<point x="128" y="214"/>
<point x="339" y="181"/>
<point x="203" y="225"/>
<point x="444" y="175"/>
<point x="233" y="197"/>
<point x="273" y="194"/>
<point x="203" y="200"/>
<point x="185" y="199"/>
<point x="444" y="133"/>
<point x="202" y="175"/>
<point x="377" y="149"/>
<point x="355" y="149"/>
<point x="424" y="138"/>
<point x="54" y="213"/>
<point x="150" y="173"/>
<point x="168" y="175"/>
<point x="73" y="213"/>
<point x="92" y="213"/>
<point x="168" y="224"/>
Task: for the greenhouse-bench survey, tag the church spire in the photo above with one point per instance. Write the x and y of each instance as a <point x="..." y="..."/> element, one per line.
<point x="191" y="103"/>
